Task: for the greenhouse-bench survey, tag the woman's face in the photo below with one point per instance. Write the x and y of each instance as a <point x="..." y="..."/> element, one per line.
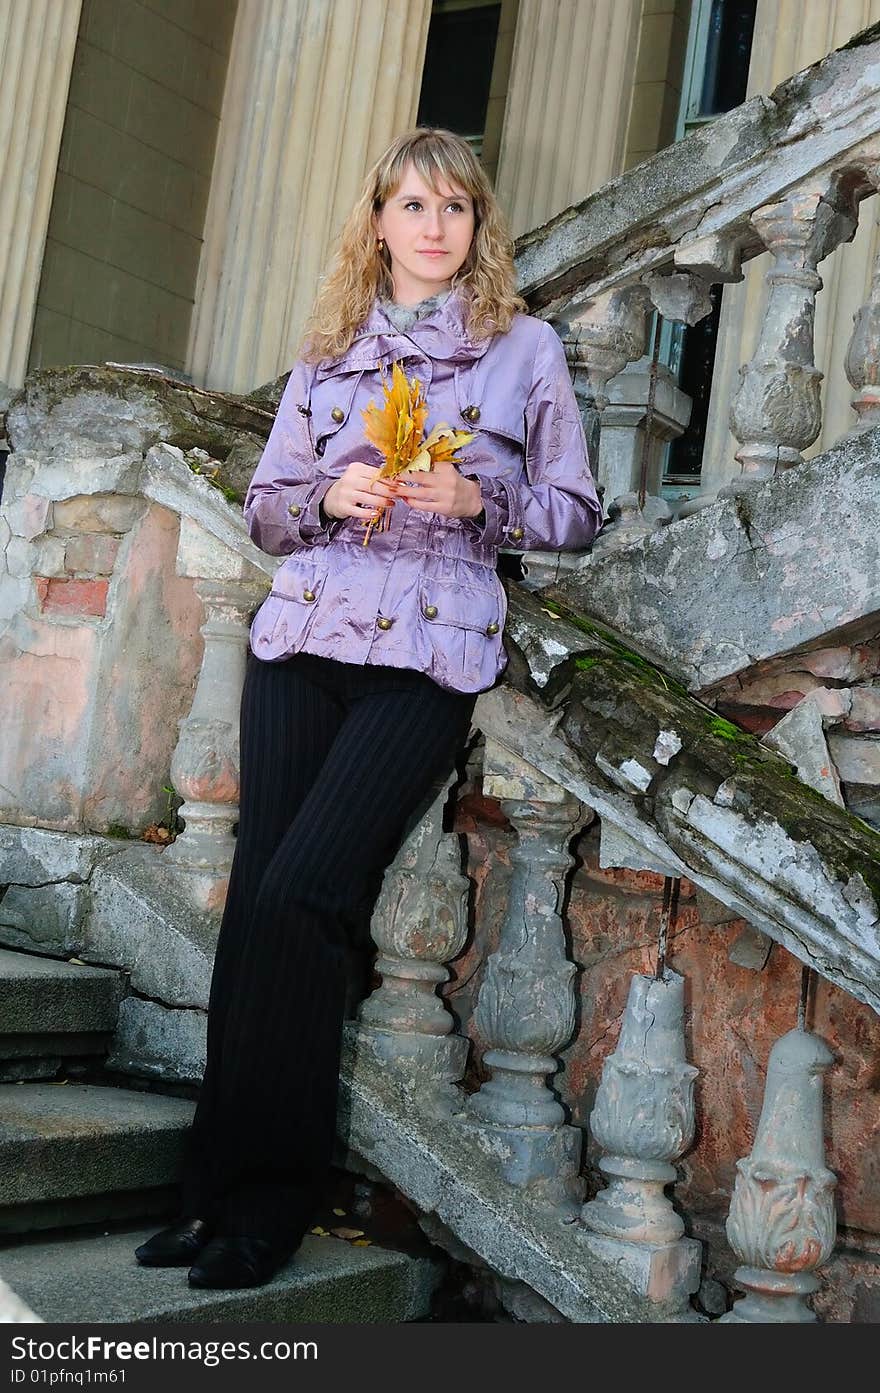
<point x="428" y="235"/>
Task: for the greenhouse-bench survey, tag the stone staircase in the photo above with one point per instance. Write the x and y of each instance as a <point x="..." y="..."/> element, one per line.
<point x="87" y="1168"/>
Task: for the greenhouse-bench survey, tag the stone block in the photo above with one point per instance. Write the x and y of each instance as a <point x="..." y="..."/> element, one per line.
<point x="19" y="555"/>
<point x="800" y="737"/>
<point x="864" y="712"/>
<point x="669" y="1273"/>
<point x="843" y="664"/>
<point x="155" y="1041"/>
<point x="93" y="553"/>
<point x="29" y="516"/>
<point x="199" y="555"/>
<point x="61" y="595"/>
<point x="47" y="557"/>
<point x="857" y="757"/>
<point x="76" y="474"/>
<point x="762" y="582"/>
<point x="34" y="855"/>
<point x="137" y="921"/>
<point x="97" y="513"/>
<point x="48" y="918"/>
<point x="617" y="848"/>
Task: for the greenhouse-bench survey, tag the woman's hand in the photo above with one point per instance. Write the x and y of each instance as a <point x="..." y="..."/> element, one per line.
<point x="441" y="490"/>
<point x="357" y="493"/>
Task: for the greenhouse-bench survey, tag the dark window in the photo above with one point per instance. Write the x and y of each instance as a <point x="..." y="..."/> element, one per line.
<point x="723" y="86"/>
<point x="458" y="69"/>
<point x="728" y="49"/>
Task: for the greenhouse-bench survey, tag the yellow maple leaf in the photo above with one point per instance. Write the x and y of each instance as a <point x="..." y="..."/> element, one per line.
<point x="397" y="429"/>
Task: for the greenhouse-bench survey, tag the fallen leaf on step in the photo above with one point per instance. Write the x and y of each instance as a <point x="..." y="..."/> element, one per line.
<point x="347" y="1233"/>
<point x="340" y="1212"/>
<point x="362" y="1243"/>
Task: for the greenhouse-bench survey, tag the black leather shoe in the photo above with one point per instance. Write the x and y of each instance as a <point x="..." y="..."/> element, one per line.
<point x="237" y="1261"/>
<point x="175" y="1246"/>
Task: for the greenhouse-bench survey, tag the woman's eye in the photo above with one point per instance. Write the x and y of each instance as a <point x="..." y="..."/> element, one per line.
<point x="413" y="203"/>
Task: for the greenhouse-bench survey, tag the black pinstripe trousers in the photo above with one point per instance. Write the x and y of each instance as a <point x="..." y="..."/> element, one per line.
<point x="335" y="758"/>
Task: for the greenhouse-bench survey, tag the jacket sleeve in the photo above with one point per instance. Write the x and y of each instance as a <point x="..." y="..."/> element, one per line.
<point x="555" y="505"/>
<point x="282" y="506"/>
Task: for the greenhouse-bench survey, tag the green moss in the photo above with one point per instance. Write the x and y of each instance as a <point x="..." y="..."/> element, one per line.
<point x="212" y="476"/>
<point x="120" y="832"/>
<point x="651" y="675"/>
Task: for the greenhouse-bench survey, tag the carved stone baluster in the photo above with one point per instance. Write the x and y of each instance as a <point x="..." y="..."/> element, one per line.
<point x="526" y="1006"/>
<point x="776" y="412"/>
<point x="863" y="354"/>
<point x="600" y="339"/>
<point x="644" y="1120"/>
<point x="205" y="766"/>
<point x="782" y="1221"/>
<point x="418" y="925"/>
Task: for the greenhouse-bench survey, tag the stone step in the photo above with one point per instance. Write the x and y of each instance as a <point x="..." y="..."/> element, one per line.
<point x="96" y="1279"/>
<point x="52" y="1010"/>
<point x="76" y="1153"/>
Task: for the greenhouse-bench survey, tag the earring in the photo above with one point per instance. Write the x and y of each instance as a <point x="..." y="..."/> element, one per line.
<point x="380" y="244"/>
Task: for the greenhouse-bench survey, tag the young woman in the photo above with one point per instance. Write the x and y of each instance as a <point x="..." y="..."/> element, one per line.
<point x="367" y="661"/>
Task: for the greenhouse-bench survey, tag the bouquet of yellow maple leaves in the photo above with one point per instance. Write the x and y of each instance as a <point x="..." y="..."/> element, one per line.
<point x="397" y="429"/>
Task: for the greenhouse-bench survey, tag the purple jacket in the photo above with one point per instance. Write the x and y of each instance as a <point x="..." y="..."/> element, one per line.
<point x="424" y="594"/>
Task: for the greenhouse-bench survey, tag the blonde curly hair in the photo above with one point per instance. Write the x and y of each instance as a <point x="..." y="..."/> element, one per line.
<point x="358" y="270"/>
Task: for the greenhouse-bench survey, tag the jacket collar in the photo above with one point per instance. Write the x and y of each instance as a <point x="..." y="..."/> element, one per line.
<point x="441" y="335"/>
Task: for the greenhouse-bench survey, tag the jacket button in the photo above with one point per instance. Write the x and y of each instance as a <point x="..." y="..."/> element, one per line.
<point x="384" y="623"/>
<point x="491" y="629"/>
<point x="517" y="534"/>
<point x="308" y="596"/>
<point x="294" y="510"/>
<point x="337" y="414"/>
<point x="430" y="611"/>
<point x="472" y="414"/>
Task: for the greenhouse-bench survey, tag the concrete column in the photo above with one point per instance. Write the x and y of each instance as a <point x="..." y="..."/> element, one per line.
<point x="568" y="104"/>
<point x="790" y="35"/>
<point x="314" y="94"/>
<point x="37" y="41"/>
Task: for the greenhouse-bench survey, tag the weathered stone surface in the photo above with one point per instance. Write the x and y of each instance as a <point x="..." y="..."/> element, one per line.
<point x="137" y="921"/>
<point x="705" y="187"/>
<point x="857" y="757"/>
<point x="734" y="1015"/>
<point x="47" y="918"/>
<point x="60" y="662"/>
<point x="864" y="711"/>
<point x="105" y="411"/>
<point x="800" y="737"/>
<point x="726" y="813"/>
<point x="445" y="1173"/>
<point x="155" y="1041"/>
<point x="44" y="996"/>
<point x="35" y="855"/>
<point x="94" y="1280"/>
<point x="762" y="579"/>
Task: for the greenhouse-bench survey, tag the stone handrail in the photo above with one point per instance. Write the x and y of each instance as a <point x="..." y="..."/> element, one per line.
<point x="782" y="174"/>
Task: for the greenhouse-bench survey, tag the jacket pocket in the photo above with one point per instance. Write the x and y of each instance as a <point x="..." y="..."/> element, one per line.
<point x="331" y="407"/>
<point x="288" y="612"/>
<point x="461" y="625"/>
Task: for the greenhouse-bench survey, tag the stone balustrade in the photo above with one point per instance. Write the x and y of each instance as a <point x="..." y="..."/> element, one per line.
<point x="782" y="176"/>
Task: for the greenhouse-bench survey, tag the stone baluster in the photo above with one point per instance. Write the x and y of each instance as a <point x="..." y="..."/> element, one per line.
<point x="862" y="363"/>
<point x="643" y="1119"/>
<point x="600" y="339"/>
<point x="782" y="1221"/>
<point x="776" y="413"/>
<point x="419" y="924"/>
<point x="526" y="1006"/>
<point x="205" y="765"/>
